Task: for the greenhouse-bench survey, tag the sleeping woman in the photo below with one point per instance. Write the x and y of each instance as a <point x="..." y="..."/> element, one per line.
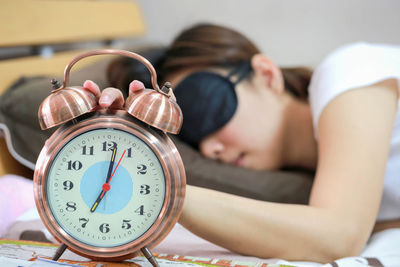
<point x="240" y="108"/>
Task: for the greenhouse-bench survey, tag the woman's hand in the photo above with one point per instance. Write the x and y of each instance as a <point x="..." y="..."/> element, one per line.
<point x="111" y="97"/>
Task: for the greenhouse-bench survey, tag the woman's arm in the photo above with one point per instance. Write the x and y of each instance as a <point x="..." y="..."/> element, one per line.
<point x="354" y="136"/>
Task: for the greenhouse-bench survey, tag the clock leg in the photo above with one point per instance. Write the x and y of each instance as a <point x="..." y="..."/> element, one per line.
<point x="147" y="253"/>
<point x="59" y="252"/>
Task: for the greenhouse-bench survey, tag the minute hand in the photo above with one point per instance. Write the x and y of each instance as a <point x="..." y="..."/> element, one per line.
<point x="106" y="187"/>
<point x="110" y="168"/>
<point x="96" y="203"/>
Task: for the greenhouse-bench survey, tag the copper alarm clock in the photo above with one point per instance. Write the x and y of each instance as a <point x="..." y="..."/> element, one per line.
<point x="109" y="184"/>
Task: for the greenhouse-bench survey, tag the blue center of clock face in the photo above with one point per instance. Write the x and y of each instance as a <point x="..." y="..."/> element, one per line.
<point x="119" y="194"/>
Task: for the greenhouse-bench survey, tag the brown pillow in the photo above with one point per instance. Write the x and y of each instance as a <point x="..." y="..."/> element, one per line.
<point x="18" y="118"/>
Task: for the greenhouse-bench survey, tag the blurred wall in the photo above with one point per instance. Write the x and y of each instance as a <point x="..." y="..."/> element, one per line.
<point x="290" y="32"/>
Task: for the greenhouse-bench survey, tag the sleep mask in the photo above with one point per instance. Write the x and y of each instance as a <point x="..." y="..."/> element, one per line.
<point x="208" y="101"/>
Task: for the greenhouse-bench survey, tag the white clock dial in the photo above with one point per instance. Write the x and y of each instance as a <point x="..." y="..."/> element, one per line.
<point x="136" y="190"/>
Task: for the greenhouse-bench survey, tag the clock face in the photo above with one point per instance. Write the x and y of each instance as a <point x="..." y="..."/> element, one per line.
<point x="105" y="187"/>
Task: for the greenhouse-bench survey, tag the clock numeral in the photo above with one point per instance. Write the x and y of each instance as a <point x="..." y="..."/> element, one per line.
<point x="84" y="220"/>
<point x="142" y="169"/>
<point x="129" y="154"/>
<point x="71" y="206"/>
<point x="68" y="185"/>
<point x="144" y="189"/>
<point x="86" y="151"/>
<point x="140" y="210"/>
<point x="109" y="146"/>
<point x="104" y="228"/>
<point x="76" y="165"/>
<point x="126" y="224"/>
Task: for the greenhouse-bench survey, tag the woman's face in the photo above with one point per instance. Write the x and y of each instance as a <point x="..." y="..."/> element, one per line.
<point x="253" y="138"/>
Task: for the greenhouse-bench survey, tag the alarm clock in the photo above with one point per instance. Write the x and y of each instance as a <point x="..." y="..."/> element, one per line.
<point x="109" y="184"/>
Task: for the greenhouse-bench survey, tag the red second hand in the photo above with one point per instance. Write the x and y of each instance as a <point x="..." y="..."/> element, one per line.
<point x="106" y="186"/>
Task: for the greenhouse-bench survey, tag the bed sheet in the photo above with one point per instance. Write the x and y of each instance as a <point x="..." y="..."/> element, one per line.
<point x="382" y="249"/>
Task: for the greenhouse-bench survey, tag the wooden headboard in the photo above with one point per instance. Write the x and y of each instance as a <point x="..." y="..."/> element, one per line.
<point x="38" y="23"/>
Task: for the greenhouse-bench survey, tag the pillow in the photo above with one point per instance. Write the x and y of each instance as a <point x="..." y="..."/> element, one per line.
<point x="19" y="122"/>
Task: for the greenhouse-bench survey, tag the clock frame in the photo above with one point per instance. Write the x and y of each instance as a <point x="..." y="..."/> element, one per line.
<point x="156" y="140"/>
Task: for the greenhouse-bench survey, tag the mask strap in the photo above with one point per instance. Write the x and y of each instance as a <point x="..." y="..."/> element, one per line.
<point x="240" y="72"/>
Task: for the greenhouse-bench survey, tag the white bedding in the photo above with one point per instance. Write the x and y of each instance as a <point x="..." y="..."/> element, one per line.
<point x="382" y="249"/>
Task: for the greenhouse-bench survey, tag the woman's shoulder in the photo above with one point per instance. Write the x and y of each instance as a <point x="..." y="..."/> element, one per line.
<point x="356" y="64"/>
<point x="351" y="66"/>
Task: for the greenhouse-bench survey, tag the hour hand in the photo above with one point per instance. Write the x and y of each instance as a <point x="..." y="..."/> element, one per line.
<point x="100" y="197"/>
<point x="96" y="203"/>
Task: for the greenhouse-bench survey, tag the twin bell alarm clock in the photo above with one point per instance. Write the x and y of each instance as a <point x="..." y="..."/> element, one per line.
<point x="109" y="184"/>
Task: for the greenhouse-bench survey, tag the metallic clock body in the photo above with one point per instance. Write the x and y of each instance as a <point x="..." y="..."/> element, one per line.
<point x="156" y="140"/>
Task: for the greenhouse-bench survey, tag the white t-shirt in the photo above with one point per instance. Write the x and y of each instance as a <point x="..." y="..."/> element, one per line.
<point x="354" y="66"/>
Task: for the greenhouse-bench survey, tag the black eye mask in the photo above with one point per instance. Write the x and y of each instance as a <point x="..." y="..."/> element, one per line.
<point x="208" y="102"/>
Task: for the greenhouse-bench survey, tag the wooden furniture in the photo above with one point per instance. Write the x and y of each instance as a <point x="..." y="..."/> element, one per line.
<point x="36" y="23"/>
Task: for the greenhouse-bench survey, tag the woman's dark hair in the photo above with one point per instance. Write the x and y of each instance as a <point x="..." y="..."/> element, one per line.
<point x="204" y="45"/>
